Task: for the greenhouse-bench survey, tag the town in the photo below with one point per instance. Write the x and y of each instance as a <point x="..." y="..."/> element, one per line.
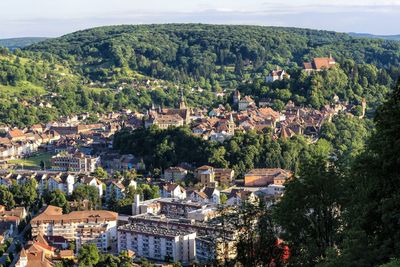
<point x="129" y="209"/>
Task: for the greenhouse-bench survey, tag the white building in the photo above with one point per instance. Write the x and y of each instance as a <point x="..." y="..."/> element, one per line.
<point x="173" y="191"/>
<point x="63" y="182"/>
<point x="158" y="243"/>
<point x="277" y="75"/>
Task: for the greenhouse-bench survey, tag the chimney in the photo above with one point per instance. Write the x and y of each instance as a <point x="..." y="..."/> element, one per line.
<point x="136" y="205"/>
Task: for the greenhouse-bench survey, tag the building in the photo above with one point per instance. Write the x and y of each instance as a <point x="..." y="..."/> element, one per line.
<point x="62" y="181"/>
<point x="206" y="176"/>
<point x="277" y="75"/>
<point x="237" y="197"/>
<point x="224" y="176"/>
<point x="40" y="253"/>
<point x="96" y="226"/>
<point x="166" y="121"/>
<point x="211" y="250"/>
<point x="319" y="64"/>
<point x="9" y="221"/>
<point x="173" y="174"/>
<point x="266" y="176"/>
<point x="115" y="189"/>
<point x="173" y="191"/>
<point x="77" y="162"/>
<point x="236" y="97"/>
<point x="158" y="243"/>
<point x="192" y="233"/>
<point x="92" y="181"/>
<point x="246" y="102"/>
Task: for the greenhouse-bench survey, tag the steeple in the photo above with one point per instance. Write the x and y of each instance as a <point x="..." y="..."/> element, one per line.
<point x="182" y="104"/>
<point x="231" y="125"/>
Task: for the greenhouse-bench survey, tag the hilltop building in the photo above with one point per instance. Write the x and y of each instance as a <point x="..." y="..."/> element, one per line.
<point x="319" y="64"/>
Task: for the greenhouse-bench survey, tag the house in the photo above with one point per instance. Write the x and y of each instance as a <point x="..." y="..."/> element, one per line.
<point x="16" y="135"/>
<point x="115" y="189"/>
<point x="237" y="197"/>
<point x="246" y="102"/>
<point x="173" y="191"/>
<point x="206" y="176"/>
<point x="63" y="182"/>
<point x="173" y="174"/>
<point x="207" y="195"/>
<point x="39" y="253"/>
<point x="224" y="176"/>
<point x="266" y="176"/>
<point x="92" y="181"/>
<point x="319" y="64"/>
<point x="10" y="220"/>
<point x="277" y="75"/>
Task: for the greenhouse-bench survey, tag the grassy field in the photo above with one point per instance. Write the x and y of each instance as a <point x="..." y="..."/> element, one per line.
<point x="33" y="161"/>
<point x="21" y="86"/>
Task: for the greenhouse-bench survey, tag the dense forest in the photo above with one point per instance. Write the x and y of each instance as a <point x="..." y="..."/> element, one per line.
<point x="183" y="52"/>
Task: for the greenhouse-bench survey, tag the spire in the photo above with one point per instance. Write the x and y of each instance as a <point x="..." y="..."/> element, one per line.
<point x="182" y="104"/>
<point x="23" y="253"/>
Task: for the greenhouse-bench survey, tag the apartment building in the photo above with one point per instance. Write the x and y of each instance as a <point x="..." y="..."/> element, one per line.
<point x="206" y="242"/>
<point x="96" y="226"/>
<point x="157" y="243"/>
<point x="77" y="162"/>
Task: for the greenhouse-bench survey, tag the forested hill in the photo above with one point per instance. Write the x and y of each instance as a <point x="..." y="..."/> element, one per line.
<point x="180" y="52"/>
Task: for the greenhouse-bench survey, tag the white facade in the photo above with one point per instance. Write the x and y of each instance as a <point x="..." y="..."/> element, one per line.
<point x="157" y="243"/>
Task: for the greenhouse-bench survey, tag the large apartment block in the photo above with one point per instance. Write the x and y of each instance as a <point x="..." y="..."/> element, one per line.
<point x="97" y="226"/>
<point x="157" y="243"/>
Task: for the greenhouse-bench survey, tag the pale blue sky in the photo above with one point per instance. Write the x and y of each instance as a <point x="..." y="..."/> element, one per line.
<point x="57" y="17"/>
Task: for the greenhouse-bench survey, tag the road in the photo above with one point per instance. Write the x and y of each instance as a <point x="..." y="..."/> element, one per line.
<point x="17" y="239"/>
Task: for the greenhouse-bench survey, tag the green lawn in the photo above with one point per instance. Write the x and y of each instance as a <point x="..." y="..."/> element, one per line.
<point x="33" y="161"/>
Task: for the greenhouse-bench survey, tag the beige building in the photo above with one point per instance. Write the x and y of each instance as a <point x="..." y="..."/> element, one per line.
<point x="206" y="176"/>
<point x="266" y="176"/>
<point x="96" y="226"/>
<point x="77" y="162"/>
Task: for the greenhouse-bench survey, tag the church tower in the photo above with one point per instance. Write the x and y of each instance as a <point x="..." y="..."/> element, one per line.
<point x="231" y="125"/>
<point x="182" y="104"/>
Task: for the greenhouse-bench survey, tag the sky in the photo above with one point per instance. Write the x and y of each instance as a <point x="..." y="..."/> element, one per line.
<point x="51" y="18"/>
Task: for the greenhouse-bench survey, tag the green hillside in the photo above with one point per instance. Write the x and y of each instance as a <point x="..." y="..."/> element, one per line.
<point x="190" y="51"/>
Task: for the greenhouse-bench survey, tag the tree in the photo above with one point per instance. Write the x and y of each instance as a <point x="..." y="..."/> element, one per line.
<point x="100" y="173"/>
<point x="373" y="235"/>
<point x="25" y="194"/>
<point x="88" y="255"/>
<point x="57" y="198"/>
<point x="88" y="192"/>
<point x="257" y="237"/>
<point x="309" y="212"/>
<point x="223" y="199"/>
<point x="6" y="197"/>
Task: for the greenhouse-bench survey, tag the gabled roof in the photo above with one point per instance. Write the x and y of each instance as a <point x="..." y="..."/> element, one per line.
<point x="15" y="133"/>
